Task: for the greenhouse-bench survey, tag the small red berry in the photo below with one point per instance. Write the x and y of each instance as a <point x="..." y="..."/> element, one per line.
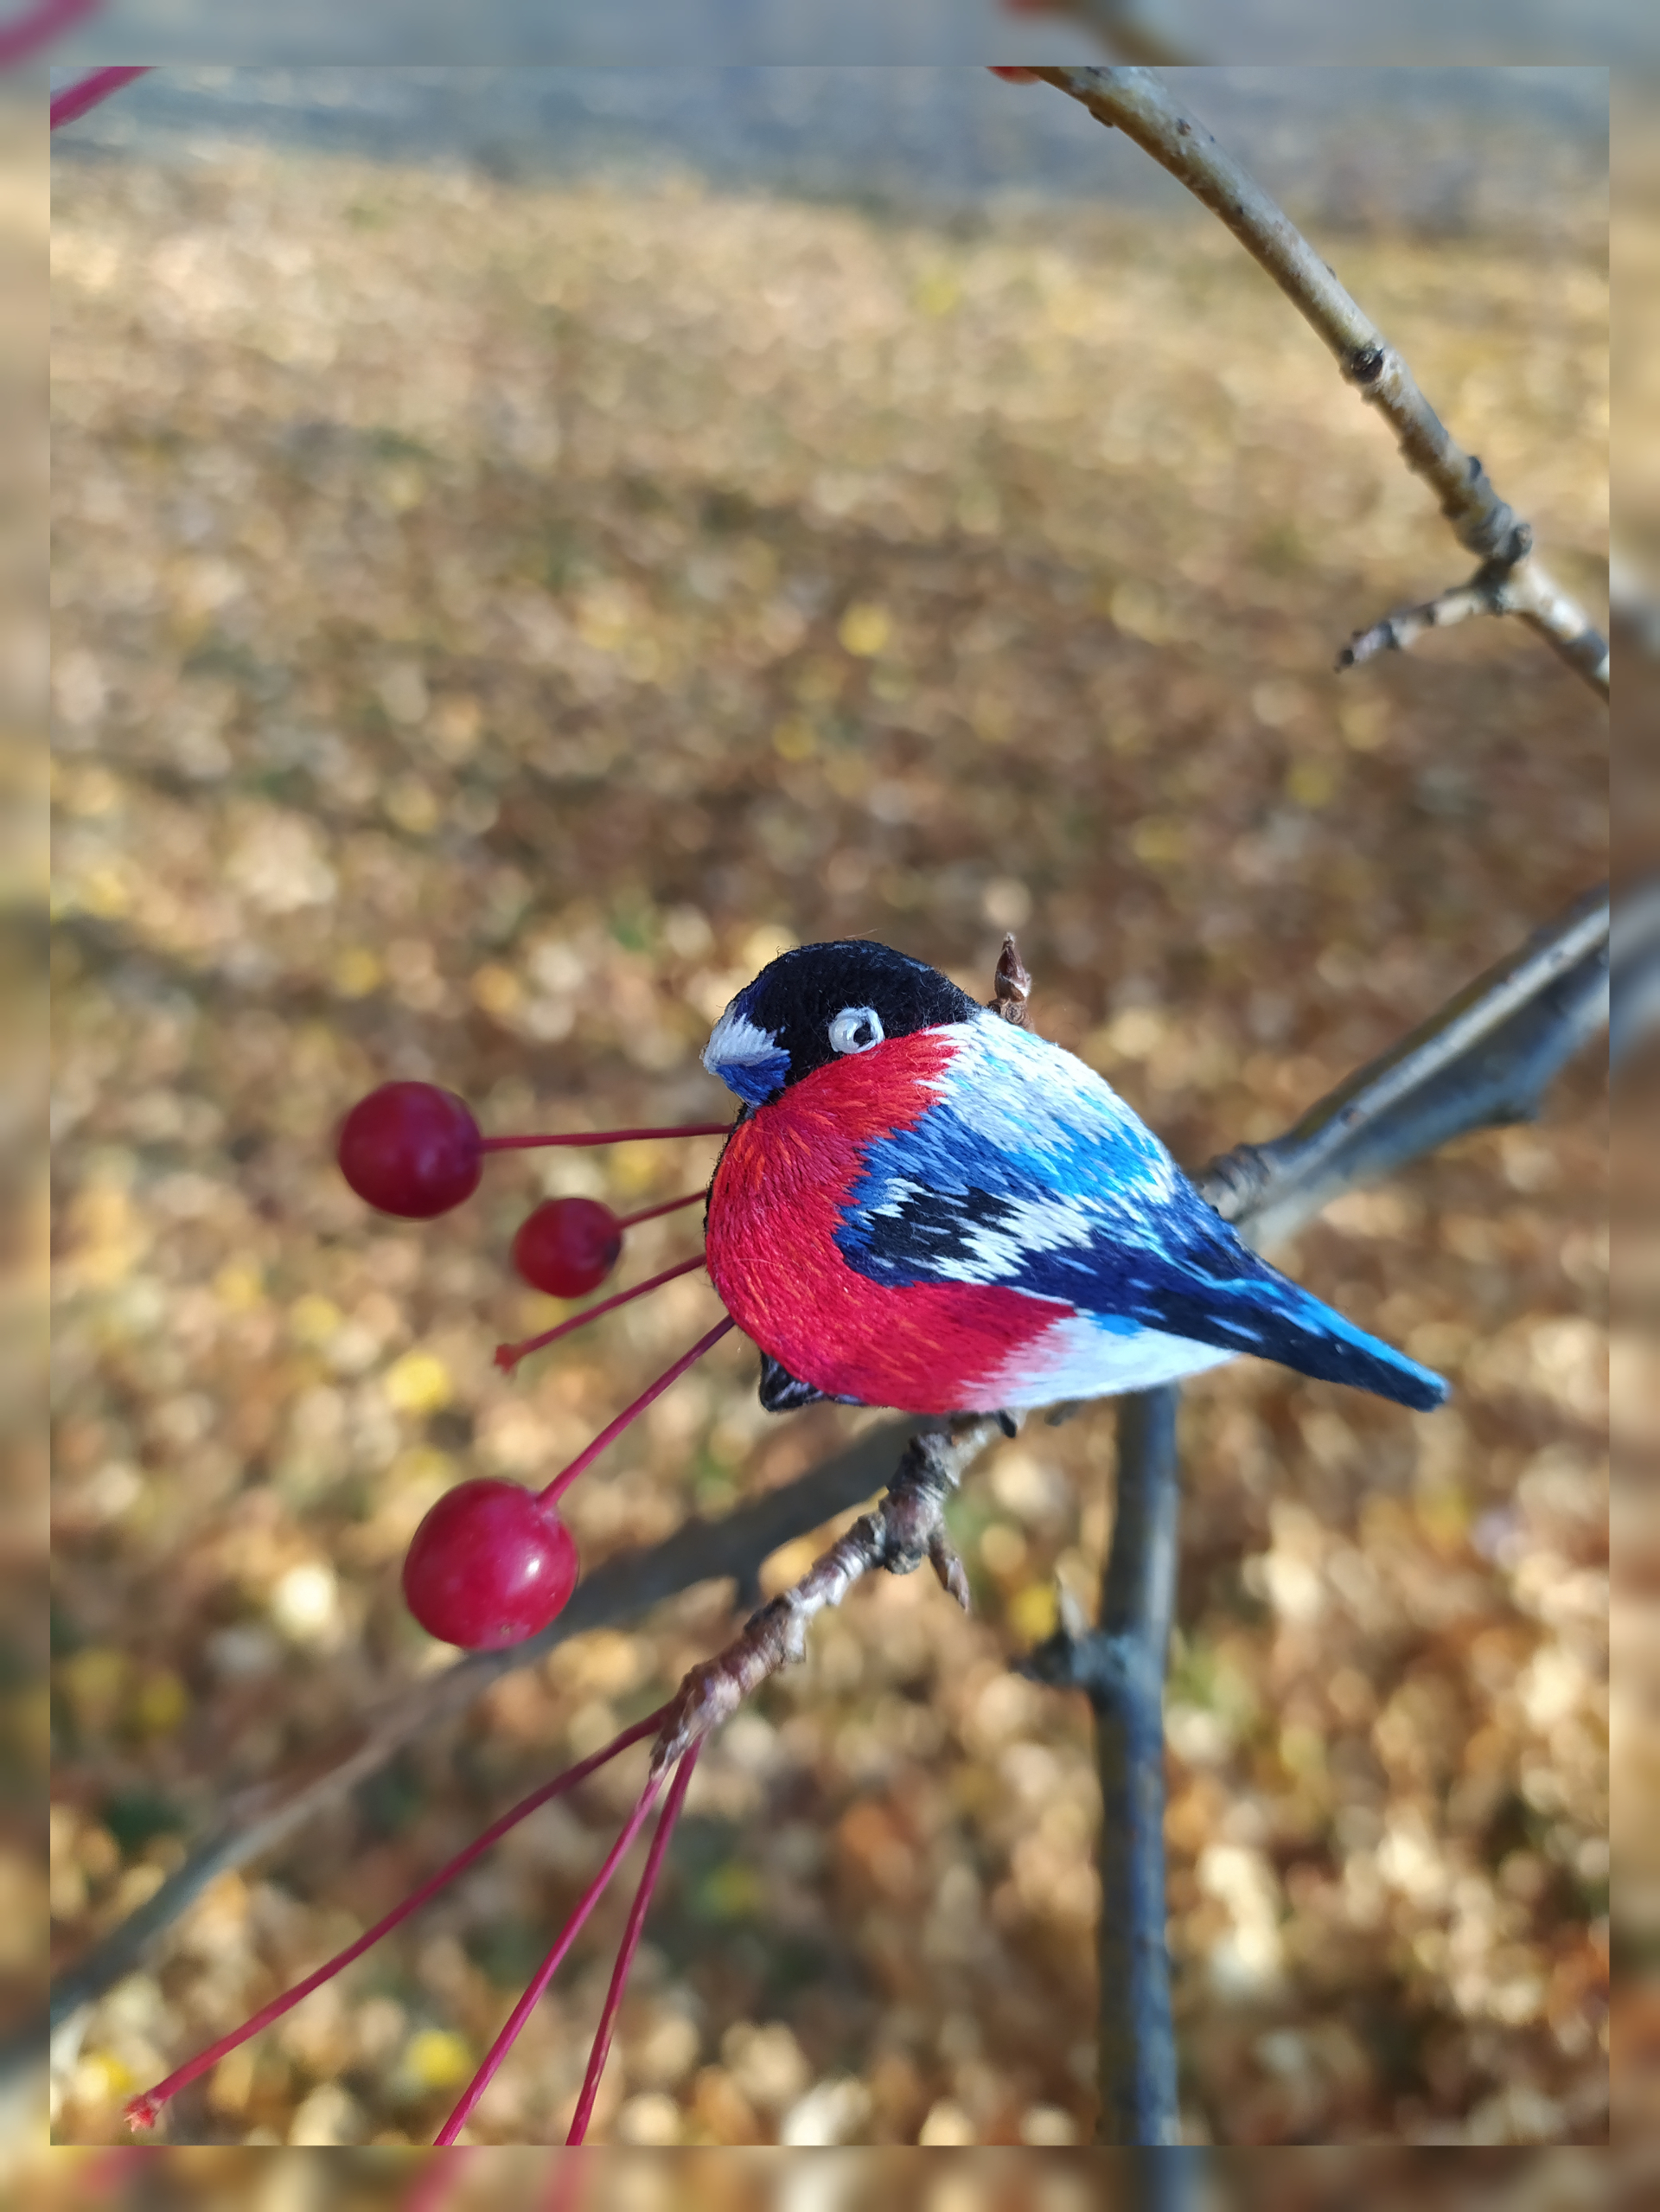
<point x="488" y="1566"/>
<point x="413" y="1150"/>
<point x="568" y="1247"/>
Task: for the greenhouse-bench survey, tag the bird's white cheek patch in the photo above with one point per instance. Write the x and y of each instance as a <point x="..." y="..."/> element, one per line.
<point x="749" y="1059"/>
<point x="735" y="1041"/>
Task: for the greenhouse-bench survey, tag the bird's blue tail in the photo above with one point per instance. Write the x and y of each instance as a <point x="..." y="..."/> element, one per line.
<point x="1302" y="1332"/>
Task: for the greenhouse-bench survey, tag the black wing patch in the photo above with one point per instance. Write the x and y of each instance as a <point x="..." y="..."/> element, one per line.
<point x="930" y="1233"/>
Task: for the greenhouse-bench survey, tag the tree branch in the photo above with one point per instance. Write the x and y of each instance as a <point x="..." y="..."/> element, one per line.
<point x="1486" y="593"/>
<point x="1483" y="1059"/>
<point x="1119" y="1665"/>
<point x="1510" y="581"/>
<point x="906" y="1528"/>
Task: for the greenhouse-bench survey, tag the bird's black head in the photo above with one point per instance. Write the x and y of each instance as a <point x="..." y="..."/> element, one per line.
<point x="816" y="1005"/>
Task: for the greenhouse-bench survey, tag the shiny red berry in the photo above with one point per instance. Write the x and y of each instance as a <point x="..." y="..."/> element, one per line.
<point x="488" y="1566"/>
<point x="568" y="1247"/>
<point x="413" y="1150"/>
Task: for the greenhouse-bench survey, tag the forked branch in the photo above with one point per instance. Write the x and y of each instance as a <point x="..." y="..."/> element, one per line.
<point x="1485" y="1057"/>
<point x="1511" y="579"/>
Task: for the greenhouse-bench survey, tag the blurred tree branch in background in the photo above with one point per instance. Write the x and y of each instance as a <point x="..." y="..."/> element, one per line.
<point x="1485" y="1059"/>
<point x="1132" y="30"/>
<point x="1510" y="580"/>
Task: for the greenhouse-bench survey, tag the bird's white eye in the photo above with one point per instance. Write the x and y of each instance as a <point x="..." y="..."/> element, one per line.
<point x="855" y="1029"/>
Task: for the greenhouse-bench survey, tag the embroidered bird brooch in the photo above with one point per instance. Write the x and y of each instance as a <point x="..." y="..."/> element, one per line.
<point x="925" y="1206"/>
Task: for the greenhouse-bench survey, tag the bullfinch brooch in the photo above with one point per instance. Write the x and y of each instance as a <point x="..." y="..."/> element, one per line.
<point x="924" y="1207"/>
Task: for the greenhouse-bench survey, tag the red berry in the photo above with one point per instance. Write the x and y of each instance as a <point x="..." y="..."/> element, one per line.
<point x="568" y="1247"/>
<point x="413" y="1150"/>
<point x="488" y="1566"/>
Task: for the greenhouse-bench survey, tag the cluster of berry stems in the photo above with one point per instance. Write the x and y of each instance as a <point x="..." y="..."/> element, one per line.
<point x="143" y="2111"/>
<point x="493" y="1562"/>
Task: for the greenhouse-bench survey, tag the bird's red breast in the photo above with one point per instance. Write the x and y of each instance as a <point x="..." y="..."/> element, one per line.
<point x="779" y="1194"/>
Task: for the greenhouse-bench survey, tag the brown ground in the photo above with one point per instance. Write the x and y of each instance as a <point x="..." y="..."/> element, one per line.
<point x="491" y="620"/>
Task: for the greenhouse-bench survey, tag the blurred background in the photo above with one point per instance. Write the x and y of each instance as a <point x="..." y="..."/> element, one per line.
<point x="1635" y="1370"/>
<point x="523" y="556"/>
<point x="676" y="32"/>
<point x="24" y="317"/>
<point x="224" y="2180"/>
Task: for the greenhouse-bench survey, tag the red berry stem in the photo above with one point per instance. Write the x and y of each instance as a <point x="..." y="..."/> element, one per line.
<point x="607" y="1136"/>
<point x="508" y="1356"/>
<point x="23" y="37"/>
<point x="565" y="2188"/>
<point x="89" y="92"/>
<point x="144" y="2111"/>
<point x="549" y="1966"/>
<point x="669" y="1206"/>
<point x="435" y="2180"/>
<point x="597" y="2055"/>
<point x="584" y="1459"/>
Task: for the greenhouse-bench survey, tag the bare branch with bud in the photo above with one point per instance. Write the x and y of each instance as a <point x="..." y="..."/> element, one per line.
<point x="1511" y="579"/>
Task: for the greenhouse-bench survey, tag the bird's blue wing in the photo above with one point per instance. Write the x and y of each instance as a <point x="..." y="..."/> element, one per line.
<point x="1029" y="1172"/>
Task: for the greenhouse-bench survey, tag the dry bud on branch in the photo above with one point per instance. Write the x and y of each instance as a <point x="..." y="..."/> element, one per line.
<point x="1010" y="986"/>
<point x="906" y="1528"/>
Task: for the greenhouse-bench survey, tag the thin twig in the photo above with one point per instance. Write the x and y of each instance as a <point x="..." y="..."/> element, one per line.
<point x="906" y="1528"/>
<point x="1144" y="108"/>
<point x="1486" y="593"/>
<point x="1483" y="1060"/>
